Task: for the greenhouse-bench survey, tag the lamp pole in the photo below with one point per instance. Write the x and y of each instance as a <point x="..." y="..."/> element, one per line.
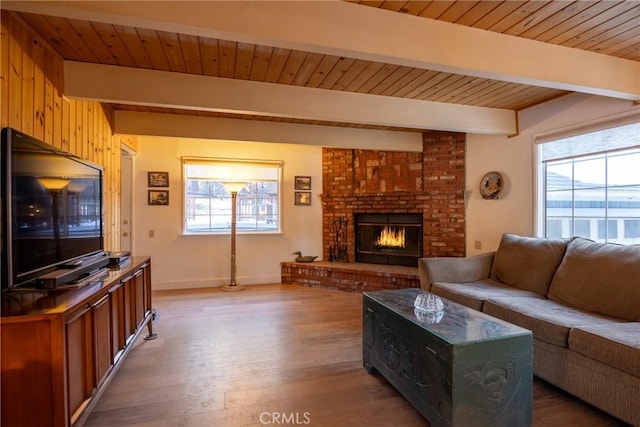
<point x="233" y="286"/>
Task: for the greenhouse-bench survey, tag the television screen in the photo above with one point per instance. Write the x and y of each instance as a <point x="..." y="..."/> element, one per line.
<point x="52" y="208"/>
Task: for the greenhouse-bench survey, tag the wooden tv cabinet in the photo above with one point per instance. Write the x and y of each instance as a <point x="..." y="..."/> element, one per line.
<point x="60" y="348"/>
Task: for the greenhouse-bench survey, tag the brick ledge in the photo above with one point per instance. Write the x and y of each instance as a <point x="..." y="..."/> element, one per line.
<point x="351" y="277"/>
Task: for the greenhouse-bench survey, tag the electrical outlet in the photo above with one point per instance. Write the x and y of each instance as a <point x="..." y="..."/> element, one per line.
<point x="477" y="244"/>
<point x="152" y="233"/>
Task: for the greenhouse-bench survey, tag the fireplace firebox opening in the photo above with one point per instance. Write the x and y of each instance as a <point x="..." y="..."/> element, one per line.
<point x="393" y="239"/>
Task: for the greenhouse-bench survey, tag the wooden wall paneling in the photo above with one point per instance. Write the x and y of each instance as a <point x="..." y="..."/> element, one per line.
<point x="15" y="76"/>
<point x="65" y="123"/>
<point x="27" y="80"/>
<point x="4" y="70"/>
<point x="84" y="106"/>
<point x="48" y="99"/>
<point x="73" y="126"/>
<point x="191" y="51"/>
<point x="79" y="122"/>
<point x="209" y="54"/>
<point x="57" y="84"/>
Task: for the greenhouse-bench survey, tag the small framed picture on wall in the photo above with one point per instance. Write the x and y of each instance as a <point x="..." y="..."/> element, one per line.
<point x="303" y="183"/>
<point x="158" y="197"/>
<point x="303" y="198"/>
<point x="158" y="179"/>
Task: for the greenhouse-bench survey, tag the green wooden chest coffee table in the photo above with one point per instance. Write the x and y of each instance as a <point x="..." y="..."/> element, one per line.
<point x="458" y="367"/>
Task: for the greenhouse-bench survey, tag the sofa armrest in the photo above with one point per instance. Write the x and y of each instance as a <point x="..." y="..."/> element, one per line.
<point x="454" y="270"/>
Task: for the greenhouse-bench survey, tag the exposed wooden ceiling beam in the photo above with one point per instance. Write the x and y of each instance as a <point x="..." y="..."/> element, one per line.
<point x="345" y="29"/>
<point x="157" y="124"/>
<point x="123" y="85"/>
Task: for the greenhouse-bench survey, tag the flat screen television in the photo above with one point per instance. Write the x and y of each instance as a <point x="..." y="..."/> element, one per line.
<point x="51" y="207"/>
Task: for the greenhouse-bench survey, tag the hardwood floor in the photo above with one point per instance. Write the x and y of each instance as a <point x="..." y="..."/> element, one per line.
<point x="272" y="355"/>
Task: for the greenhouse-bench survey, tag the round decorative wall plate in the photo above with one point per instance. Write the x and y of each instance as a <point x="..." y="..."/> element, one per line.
<point x="490" y="185"/>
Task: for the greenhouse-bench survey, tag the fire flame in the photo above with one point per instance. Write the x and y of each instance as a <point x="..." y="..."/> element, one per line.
<point x="391" y="237"/>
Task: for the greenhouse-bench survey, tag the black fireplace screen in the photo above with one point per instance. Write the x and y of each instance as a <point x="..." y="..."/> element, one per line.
<point x="394" y="239"/>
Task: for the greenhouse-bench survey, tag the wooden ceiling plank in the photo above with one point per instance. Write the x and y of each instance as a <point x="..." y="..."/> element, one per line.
<point x="392" y="79"/>
<point x="414" y="84"/>
<point x="436" y="8"/>
<point x="523" y="13"/>
<point x="115" y="46"/>
<point x="537" y="17"/>
<point x="244" y="60"/>
<point x="415" y="7"/>
<point x="370" y="70"/>
<point x="226" y="58"/>
<point x="404" y="84"/>
<point x="483" y="86"/>
<point x="538" y="31"/>
<point x="311" y="62"/>
<point x="383" y="73"/>
<point x="476" y="97"/>
<point x="276" y="65"/>
<point x="69" y="35"/>
<point x="372" y="3"/>
<point x="325" y="66"/>
<point x="528" y="98"/>
<point x="190" y="46"/>
<point x="153" y="47"/>
<point x="478" y="12"/>
<point x="460" y="87"/>
<point x="504" y="92"/>
<point x="433" y="80"/>
<point x="575" y="22"/>
<point x="393" y="5"/>
<point x="261" y="58"/>
<point x="48" y="33"/>
<point x="95" y="42"/>
<point x="457" y="10"/>
<point x="590" y="39"/>
<point x="619" y="40"/>
<point x="173" y="52"/>
<point x="339" y="70"/>
<point x="294" y="63"/>
<point x="497" y="14"/>
<point x="609" y="18"/>
<point x="209" y="54"/>
<point x="443" y="85"/>
<point x="628" y="48"/>
<point x="132" y="41"/>
<point x="350" y="74"/>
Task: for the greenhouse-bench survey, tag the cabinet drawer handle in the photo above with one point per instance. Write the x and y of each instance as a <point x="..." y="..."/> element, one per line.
<point x="435" y="353"/>
<point x="79" y="315"/>
<point x="100" y="301"/>
<point x="126" y="279"/>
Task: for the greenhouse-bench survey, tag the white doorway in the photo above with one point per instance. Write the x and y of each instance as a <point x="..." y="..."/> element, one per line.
<point x="126" y="200"/>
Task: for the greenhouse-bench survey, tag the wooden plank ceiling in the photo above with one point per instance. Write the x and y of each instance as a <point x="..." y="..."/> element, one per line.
<point x="607" y="27"/>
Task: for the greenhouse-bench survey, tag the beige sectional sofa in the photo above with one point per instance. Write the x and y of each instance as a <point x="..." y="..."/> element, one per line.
<point x="580" y="299"/>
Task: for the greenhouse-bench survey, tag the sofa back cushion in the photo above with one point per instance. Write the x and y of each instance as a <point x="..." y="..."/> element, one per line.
<point x="527" y="263"/>
<point x="600" y="277"/>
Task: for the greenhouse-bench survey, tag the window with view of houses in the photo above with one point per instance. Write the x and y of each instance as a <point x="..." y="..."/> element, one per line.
<point x="590" y="185"/>
<point x="208" y="203"/>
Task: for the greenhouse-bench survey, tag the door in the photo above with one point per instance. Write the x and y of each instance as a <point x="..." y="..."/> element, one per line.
<point x="126" y="177"/>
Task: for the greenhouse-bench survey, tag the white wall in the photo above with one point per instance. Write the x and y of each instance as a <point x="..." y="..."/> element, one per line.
<point x="181" y="261"/>
<point x="514" y="157"/>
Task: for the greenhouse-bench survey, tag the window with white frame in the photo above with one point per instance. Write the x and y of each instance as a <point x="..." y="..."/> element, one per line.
<point x="589" y="184"/>
<point x="207" y="202"/>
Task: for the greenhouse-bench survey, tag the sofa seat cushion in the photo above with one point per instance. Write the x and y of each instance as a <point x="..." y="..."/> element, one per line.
<point x="527" y="263"/>
<point x="548" y="320"/>
<point x="600" y="277"/>
<point x="473" y="294"/>
<point x="616" y="344"/>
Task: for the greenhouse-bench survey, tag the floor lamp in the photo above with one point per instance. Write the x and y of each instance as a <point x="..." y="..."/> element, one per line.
<point x="233" y="188"/>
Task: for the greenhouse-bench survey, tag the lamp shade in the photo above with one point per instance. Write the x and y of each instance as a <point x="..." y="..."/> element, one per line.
<point x="234" y="186"/>
<point x="53" y="183"/>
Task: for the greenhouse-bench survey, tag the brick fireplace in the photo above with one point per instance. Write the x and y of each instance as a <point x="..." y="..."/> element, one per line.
<point x="430" y="183"/>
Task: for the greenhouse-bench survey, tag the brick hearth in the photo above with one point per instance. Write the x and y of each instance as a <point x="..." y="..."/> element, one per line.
<point x="351" y="277"/>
